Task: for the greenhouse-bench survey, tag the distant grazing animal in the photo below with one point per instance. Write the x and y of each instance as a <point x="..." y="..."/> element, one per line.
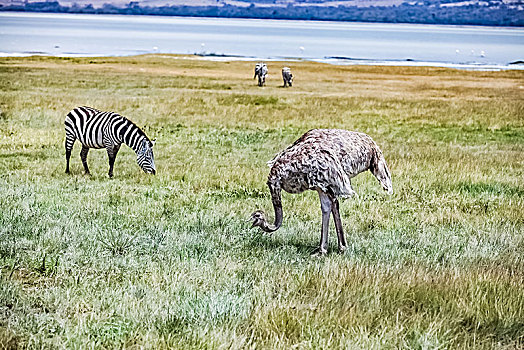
<point x="323" y="160"/>
<point x="287" y="76"/>
<point x="261" y="72"/>
<point x="97" y="129"/>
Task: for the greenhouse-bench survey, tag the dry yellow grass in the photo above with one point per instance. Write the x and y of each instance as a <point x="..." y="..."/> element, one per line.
<point x="169" y="261"/>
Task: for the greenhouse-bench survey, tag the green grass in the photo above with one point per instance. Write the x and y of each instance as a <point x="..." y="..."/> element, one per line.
<point x="164" y="261"/>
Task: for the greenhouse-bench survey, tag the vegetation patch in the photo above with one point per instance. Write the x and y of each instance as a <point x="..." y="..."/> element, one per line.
<point x="169" y="261"/>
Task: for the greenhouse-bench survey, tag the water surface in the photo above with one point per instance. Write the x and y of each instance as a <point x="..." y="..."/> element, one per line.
<point x="334" y="42"/>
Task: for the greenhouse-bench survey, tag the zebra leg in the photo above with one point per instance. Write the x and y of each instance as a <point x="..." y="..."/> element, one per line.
<point x="69" y="142"/>
<point x="83" y="156"/>
<point x="111" y="153"/>
<point x="68" y="156"/>
<point x="335" y="211"/>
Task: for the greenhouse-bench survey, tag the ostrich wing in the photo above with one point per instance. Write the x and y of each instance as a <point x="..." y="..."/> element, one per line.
<point x="326" y="172"/>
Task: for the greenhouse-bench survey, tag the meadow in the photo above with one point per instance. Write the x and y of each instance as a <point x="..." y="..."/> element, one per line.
<point x="169" y="261"/>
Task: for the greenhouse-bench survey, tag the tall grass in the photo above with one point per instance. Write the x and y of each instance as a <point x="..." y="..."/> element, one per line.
<point x="169" y="260"/>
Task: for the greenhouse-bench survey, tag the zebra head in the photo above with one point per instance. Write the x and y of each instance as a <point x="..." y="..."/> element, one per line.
<point x="145" y="158"/>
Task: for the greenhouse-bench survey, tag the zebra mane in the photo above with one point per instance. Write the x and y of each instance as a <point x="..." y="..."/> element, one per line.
<point x="141" y="135"/>
<point x="133" y="125"/>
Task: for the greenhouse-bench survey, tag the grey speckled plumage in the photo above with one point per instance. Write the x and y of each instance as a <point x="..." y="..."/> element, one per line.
<point x="323" y="160"/>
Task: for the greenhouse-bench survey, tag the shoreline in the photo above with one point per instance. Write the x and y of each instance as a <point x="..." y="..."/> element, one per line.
<point x="336" y="61"/>
<point x="320" y="21"/>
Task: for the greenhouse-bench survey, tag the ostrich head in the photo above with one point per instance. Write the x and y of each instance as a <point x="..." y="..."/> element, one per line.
<point x="381" y="172"/>
<point x="258" y="218"/>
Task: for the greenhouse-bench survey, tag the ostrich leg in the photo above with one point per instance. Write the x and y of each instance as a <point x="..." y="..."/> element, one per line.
<point x="325" y="205"/>
<point x="338" y="224"/>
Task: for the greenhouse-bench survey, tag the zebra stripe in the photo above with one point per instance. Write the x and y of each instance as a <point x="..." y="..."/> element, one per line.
<point x="99" y="129"/>
<point x="261" y="72"/>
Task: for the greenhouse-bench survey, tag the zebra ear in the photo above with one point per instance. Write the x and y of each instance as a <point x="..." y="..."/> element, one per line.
<point x="153" y="141"/>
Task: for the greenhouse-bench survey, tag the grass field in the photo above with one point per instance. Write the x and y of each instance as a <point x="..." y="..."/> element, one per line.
<point x="142" y="261"/>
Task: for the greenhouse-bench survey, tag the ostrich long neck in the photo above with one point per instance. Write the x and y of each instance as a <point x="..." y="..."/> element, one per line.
<point x="277" y="206"/>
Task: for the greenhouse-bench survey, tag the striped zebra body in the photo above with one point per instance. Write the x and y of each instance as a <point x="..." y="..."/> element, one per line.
<point x="99" y="129"/>
<point x="287" y="76"/>
<point x="261" y="72"/>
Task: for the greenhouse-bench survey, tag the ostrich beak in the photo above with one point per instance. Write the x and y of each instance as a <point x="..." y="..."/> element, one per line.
<point x="253" y="222"/>
<point x="251" y="219"/>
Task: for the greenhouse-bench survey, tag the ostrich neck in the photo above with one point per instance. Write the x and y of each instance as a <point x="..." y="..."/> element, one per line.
<point x="277" y="206"/>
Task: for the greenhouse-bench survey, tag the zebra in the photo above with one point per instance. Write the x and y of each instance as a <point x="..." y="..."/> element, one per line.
<point x="287" y="76"/>
<point x="261" y="72"/>
<point x="98" y="129"/>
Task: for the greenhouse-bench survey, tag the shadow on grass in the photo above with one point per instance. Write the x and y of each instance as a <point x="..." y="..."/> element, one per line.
<point x="258" y="242"/>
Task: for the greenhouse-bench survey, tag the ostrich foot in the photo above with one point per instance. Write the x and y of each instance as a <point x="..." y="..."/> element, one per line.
<point x="319" y="252"/>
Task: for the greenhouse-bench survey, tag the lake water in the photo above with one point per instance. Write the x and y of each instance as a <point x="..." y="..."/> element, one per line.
<point x="333" y="42"/>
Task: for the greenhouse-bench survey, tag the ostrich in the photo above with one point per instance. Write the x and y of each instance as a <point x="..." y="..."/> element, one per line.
<point x="287" y="76"/>
<point x="323" y="160"/>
